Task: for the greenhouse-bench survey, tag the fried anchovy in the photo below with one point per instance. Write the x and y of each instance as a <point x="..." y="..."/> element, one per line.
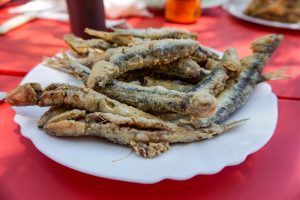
<point x="239" y="89"/>
<point x="157" y="34"/>
<point x="168" y="84"/>
<point x="185" y="67"/>
<point x="81" y="46"/>
<point x="118" y="39"/>
<point x="70" y="96"/>
<point x="81" y="123"/>
<point x="140" y="56"/>
<point x="55" y="114"/>
<point x="159" y="99"/>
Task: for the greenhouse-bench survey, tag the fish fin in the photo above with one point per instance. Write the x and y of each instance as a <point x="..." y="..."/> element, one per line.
<point x="235" y="124"/>
<point x="276" y="75"/>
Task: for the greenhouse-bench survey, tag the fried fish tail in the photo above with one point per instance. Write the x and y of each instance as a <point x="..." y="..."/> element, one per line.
<point x="276" y="75"/>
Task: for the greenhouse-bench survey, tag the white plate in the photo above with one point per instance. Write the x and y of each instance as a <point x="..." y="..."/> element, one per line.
<point x="183" y="161"/>
<point x="211" y="3"/>
<point x="237" y="7"/>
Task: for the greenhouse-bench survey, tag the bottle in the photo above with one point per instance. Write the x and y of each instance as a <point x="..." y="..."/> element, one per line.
<point x="86" y="14"/>
<point x="183" y="11"/>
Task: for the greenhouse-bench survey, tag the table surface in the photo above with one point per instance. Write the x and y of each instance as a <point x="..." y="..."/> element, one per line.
<point x="271" y="173"/>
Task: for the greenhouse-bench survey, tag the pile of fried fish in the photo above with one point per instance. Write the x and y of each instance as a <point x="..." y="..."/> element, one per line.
<point x="147" y="88"/>
<point x="275" y="10"/>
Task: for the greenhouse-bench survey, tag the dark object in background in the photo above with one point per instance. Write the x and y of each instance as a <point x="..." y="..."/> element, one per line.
<point x="84" y="14"/>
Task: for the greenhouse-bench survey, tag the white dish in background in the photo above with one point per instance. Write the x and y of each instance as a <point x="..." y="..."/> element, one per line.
<point x="205" y="3"/>
<point x="237" y="7"/>
<point x="2" y="96"/>
<point x="183" y="161"/>
<point x="211" y="3"/>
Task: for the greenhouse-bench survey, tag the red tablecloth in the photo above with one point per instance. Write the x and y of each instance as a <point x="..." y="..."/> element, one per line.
<point x="271" y="173"/>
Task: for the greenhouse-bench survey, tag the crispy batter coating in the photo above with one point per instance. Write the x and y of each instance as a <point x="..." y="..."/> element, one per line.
<point x="157" y="34"/>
